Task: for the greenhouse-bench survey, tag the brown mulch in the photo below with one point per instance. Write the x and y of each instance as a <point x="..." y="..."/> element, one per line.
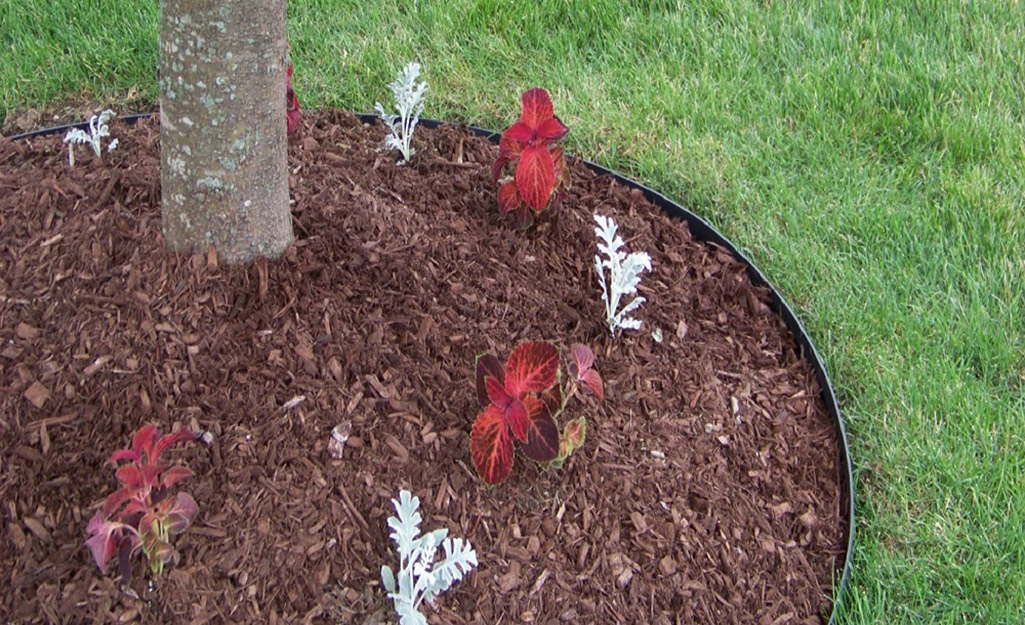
<point x="707" y="490"/>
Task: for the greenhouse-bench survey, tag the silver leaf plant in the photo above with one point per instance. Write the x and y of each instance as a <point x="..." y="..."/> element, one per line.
<point x="409" y="100"/>
<point x="97" y="130"/>
<point x="419" y="576"/>
<point x="624" y="275"/>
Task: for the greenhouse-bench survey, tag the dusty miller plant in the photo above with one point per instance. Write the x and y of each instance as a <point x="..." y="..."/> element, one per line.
<point x="97" y="130"/>
<point x="419" y="577"/>
<point x="409" y="99"/>
<point x="624" y="275"/>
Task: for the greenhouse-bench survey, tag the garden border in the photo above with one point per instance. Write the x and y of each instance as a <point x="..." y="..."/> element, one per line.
<point x="703" y="231"/>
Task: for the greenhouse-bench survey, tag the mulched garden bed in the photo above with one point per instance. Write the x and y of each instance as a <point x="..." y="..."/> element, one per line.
<point x="707" y="490"/>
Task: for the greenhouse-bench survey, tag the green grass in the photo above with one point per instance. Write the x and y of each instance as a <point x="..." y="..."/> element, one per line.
<point x="869" y="156"/>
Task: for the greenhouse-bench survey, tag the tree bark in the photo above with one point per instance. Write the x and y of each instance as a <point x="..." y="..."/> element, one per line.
<point x="223" y="150"/>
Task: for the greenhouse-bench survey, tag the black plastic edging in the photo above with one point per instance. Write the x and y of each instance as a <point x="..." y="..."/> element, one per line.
<point x="128" y="119"/>
<point x="703" y="231"/>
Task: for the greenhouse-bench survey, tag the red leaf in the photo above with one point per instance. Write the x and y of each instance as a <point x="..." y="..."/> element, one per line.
<point x="496" y="167"/>
<point x="516" y="417"/>
<point x="519" y="134"/>
<point x="491" y="446"/>
<point x="550" y="130"/>
<point x="535" y="176"/>
<point x="537" y="107"/>
<point x="524" y="215"/>
<point x="574" y="432"/>
<point x="174" y="475"/>
<point x="292" y="107"/>
<point x="134" y="507"/>
<point x="292" y="117"/>
<point x="488" y="365"/>
<point x="126" y="547"/>
<point x="115" y="499"/>
<point x="103" y="538"/>
<point x="592" y="382"/>
<point x="151" y="474"/>
<point x="539" y="172"/>
<point x="561" y="171"/>
<point x="508" y="150"/>
<point x="583" y="359"/>
<point x="130" y="476"/>
<point x="124" y="454"/>
<point x="182" y="513"/>
<point x="142" y="442"/>
<point x="580" y="368"/>
<point x="508" y="146"/>
<point x="532" y="367"/>
<point x="171" y="439"/>
<point x="511" y="407"/>
<point x="553" y="399"/>
<point x="543" y="434"/>
<point x="509" y="199"/>
<point x="497" y="394"/>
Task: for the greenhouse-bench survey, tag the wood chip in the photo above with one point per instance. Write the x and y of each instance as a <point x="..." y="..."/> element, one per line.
<point x="511" y="579"/>
<point x="44" y="439"/>
<point x="37" y="394"/>
<point x="17" y="535"/>
<point x="96" y="366"/>
<point x="667" y="565"/>
<point x="26" y="332"/>
<point x="401" y="453"/>
<point x="37" y="528"/>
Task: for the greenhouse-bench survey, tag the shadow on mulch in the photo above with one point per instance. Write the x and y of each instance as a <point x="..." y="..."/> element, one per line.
<point x="706" y="491"/>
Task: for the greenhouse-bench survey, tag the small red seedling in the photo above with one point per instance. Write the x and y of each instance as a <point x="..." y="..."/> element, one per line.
<point x="142" y="514"/>
<point x="521" y="402"/>
<point x="541" y="173"/>
<point x="292" y="107"/>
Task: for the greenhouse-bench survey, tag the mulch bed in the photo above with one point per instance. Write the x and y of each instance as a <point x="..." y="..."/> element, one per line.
<point x="707" y="490"/>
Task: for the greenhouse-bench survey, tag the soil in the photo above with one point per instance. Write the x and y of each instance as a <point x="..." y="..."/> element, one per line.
<point x="706" y="491"/>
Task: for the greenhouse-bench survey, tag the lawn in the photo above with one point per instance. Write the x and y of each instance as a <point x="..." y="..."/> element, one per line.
<point x="868" y="156"/>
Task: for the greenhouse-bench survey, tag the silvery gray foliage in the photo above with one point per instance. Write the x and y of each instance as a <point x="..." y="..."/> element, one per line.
<point x="97" y="130"/>
<point x="419" y="576"/>
<point x="624" y="275"/>
<point x="409" y="99"/>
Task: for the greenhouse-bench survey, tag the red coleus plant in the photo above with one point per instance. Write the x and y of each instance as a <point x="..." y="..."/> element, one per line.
<point x="142" y="514"/>
<point x="521" y="401"/>
<point x="292" y="107"/>
<point x="541" y="173"/>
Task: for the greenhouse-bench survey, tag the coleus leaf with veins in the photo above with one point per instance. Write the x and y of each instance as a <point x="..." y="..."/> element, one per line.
<point x="582" y="369"/>
<point x="542" y="432"/>
<point x="520" y="402"/>
<point x="512" y="412"/>
<point x="491" y="445"/>
<point x="572" y="439"/>
<point x="541" y="173"/>
<point x="142" y="514"/>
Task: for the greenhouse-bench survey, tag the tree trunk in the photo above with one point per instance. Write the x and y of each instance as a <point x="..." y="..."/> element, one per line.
<point x="223" y="167"/>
